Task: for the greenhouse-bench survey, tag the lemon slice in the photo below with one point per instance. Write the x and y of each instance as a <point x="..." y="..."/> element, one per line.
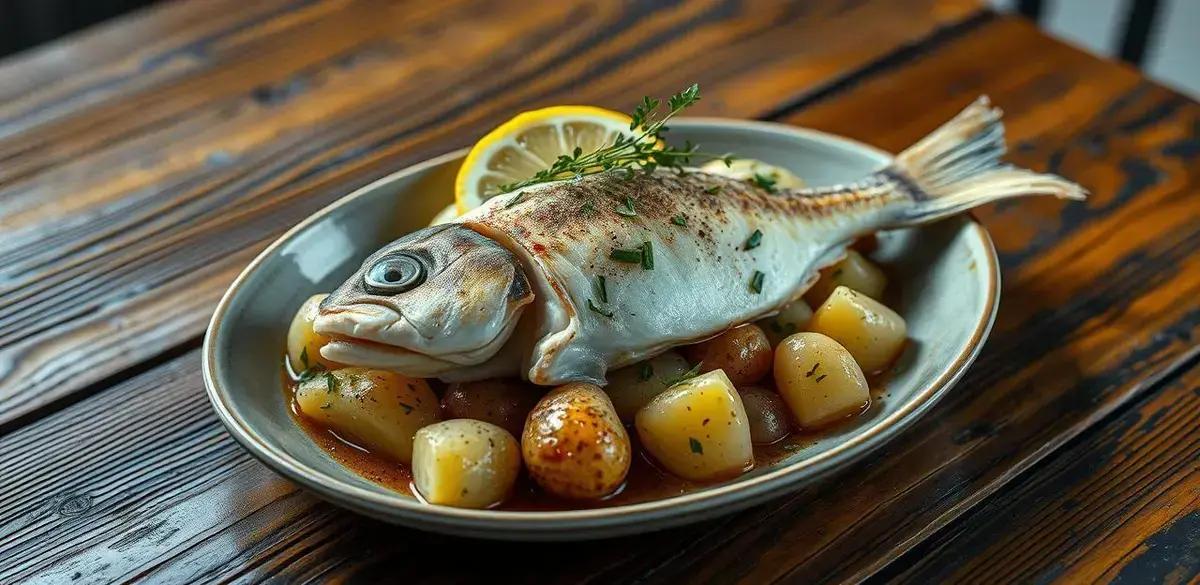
<point x="519" y="148"/>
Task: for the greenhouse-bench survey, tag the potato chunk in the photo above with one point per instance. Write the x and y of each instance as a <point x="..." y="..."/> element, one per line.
<point x="376" y="409"/>
<point x="574" y="444"/>
<point x="770" y="419"/>
<point x="853" y="271"/>
<point x="792" y="318"/>
<point x="698" y="429"/>
<point x="502" y="402"/>
<point x="819" y="380"/>
<point x="871" y="332"/>
<point x="465" y="463"/>
<point x="631" y="387"/>
<point x="742" y="352"/>
<point x="304" y="344"/>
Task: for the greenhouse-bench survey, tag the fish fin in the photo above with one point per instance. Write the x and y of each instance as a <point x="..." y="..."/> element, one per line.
<point x="957" y="167"/>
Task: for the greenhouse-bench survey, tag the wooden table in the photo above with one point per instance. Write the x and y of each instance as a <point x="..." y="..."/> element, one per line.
<point x="144" y="163"/>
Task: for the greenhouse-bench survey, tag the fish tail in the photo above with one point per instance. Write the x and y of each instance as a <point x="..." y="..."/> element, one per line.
<point x="957" y="167"/>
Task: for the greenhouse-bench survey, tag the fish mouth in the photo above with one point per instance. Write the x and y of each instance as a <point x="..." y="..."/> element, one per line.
<point x="377" y="336"/>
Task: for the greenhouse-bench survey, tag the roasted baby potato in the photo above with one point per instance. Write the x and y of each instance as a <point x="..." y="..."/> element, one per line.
<point x="793" y="318"/>
<point x="853" y="271"/>
<point x="742" y="352"/>
<point x="749" y="169"/>
<point x="819" y="380"/>
<point x="465" y="463"/>
<point x="698" y="429"/>
<point x="871" y="332"/>
<point x="304" y="344"/>
<point x="377" y="409"/>
<point x="770" y="420"/>
<point x="631" y="387"/>
<point x="502" y="402"/>
<point x="574" y="445"/>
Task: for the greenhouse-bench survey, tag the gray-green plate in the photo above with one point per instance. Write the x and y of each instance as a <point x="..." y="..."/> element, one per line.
<point x="947" y="273"/>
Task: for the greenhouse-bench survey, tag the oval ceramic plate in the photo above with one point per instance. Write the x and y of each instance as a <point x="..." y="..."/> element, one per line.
<point x="947" y="273"/>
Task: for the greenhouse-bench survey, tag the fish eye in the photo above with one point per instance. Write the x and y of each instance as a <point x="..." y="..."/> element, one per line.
<point x="395" y="274"/>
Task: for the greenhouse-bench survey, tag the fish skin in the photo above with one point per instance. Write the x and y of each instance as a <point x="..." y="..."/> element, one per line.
<point x="700" y="285"/>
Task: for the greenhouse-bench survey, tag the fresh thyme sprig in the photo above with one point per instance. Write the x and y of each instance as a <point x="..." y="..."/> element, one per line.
<point x="639" y="149"/>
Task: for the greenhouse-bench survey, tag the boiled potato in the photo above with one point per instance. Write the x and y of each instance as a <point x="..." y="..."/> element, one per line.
<point x="769" y="418"/>
<point x="746" y="169"/>
<point x="465" y="463"/>
<point x="744" y="353"/>
<point x="630" y="388"/>
<point x="819" y="380"/>
<point x="574" y="445"/>
<point x="304" y="344"/>
<point x="793" y="318"/>
<point x="853" y="271"/>
<point x="377" y="409"/>
<point x="698" y="429"/>
<point x="502" y="402"/>
<point x="446" y="215"/>
<point x="873" y="333"/>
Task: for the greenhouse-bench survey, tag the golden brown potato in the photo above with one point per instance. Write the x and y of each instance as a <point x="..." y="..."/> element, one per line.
<point x="742" y="352"/>
<point x="853" y="271"/>
<point x="465" y="463"/>
<point x="793" y="318"/>
<point x="769" y="418"/>
<point x="502" y="402"/>
<point x="376" y="409"/>
<point x="574" y="444"/>
<point x="871" y="332"/>
<point x="304" y="344"/>
<point x="819" y="380"/>
<point x="698" y="429"/>
<point x="630" y="388"/>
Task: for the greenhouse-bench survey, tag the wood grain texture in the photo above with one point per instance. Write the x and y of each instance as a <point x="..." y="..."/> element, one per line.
<point x="137" y="179"/>
<point x="1099" y="303"/>
<point x="1121" y="505"/>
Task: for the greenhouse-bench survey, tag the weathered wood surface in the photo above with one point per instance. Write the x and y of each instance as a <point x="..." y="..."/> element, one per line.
<point x="1099" y="304"/>
<point x="143" y="166"/>
<point x="1121" y="506"/>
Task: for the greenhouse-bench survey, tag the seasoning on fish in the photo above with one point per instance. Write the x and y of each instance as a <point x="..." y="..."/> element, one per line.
<point x="508" y="289"/>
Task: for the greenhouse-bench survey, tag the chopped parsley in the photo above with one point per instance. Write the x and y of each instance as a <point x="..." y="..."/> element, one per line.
<point x="688" y="375"/>
<point x="756" y="281"/>
<point x="629" y="256"/>
<point x="712" y="189"/>
<point x="514" y="200"/>
<point x="602" y="289"/>
<point x="627" y="208"/>
<point x="764" y="182"/>
<point x="646" y="371"/>
<point x="754" y="240"/>
<point x="647" y="255"/>
<point x="696" y="446"/>
<point x="680" y="220"/>
<point x="408" y="408"/>
<point x="331" y="383"/>
<point x="304" y="357"/>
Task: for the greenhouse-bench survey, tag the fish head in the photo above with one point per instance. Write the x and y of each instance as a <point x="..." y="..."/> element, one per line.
<point x="436" y="299"/>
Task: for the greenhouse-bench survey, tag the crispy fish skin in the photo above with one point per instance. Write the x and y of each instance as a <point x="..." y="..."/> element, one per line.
<point x="679" y="255"/>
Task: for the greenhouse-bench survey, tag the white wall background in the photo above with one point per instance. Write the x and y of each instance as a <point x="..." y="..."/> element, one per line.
<point x="1172" y="54"/>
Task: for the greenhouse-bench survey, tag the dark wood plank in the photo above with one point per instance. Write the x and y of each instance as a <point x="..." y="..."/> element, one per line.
<point x="1099" y="302"/>
<point x="134" y="189"/>
<point x="1121" y="505"/>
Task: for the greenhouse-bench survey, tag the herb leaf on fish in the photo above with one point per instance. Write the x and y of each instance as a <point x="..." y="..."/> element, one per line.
<point x="640" y="149"/>
<point x="764" y="182"/>
<point x="680" y="220"/>
<point x="756" y="282"/>
<point x="602" y="289"/>
<point x="754" y="240"/>
<point x="598" y="310"/>
<point x="626" y="208"/>
<point x="629" y="256"/>
<point x="647" y="255"/>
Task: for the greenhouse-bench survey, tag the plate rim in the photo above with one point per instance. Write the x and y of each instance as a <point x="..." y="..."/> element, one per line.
<point x="673" y="510"/>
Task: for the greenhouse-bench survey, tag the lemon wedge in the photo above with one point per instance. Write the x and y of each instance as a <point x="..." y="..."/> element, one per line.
<point x="531" y="142"/>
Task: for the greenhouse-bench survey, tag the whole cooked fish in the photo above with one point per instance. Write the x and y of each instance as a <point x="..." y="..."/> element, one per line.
<point x="563" y="281"/>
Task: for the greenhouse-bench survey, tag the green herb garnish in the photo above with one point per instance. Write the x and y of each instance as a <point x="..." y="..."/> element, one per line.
<point x="696" y="446"/>
<point x="630" y="256"/>
<point x="764" y="182"/>
<point x="679" y="220"/>
<point x="587" y="208"/>
<point x="304" y="357"/>
<point x="407" y="407"/>
<point x="637" y="150"/>
<point x="515" y="200"/>
<point x="688" y="375"/>
<point x="712" y="190"/>
<point x="646" y="371"/>
<point x="331" y="383"/>
<point x="602" y="289"/>
<point x="627" y="208"/>
<point x="598" y="310"/>
<point x="756" y="281"/>
<point x="647" y="255"/>
<point x="311" y="373"/>
<point x="754" y="240"/>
